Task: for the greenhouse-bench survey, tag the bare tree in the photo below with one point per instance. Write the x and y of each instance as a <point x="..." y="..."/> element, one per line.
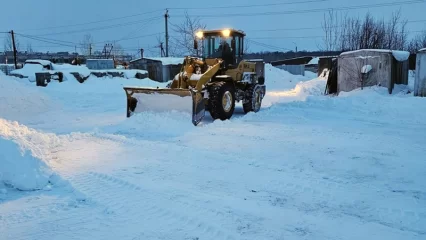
<point x="417" y="43"/>
<point x="184" y="43"/>
<point x="117" y="49"/>
<point x="331" y="30"/>
<point x="86" y="45"/>
<point x="29" y="48"/>
<point x="366" y="33"/>
<point x="246" y="46"/>
<point x="8" y="45"/>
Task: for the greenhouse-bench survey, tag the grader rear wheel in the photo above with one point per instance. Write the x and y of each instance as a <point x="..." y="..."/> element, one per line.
<point x="253" y="100"/>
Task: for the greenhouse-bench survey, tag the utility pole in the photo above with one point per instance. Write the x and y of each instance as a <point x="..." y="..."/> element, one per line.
<point x="14" y="49"/>
<point x="90" y="50"/>
<point x="141" y="52"/>
<point x="166" y="16"/>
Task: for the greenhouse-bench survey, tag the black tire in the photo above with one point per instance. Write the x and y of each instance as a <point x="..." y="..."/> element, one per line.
<point x="217" y="92"/>
<point x="252" y="103"/>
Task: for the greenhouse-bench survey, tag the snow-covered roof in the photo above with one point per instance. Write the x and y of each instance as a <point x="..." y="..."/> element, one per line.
<point x="164" y="60"/>
<point x="40" y="61"/>
<point x="422" y="50"/>
<point x="398" y="55"/>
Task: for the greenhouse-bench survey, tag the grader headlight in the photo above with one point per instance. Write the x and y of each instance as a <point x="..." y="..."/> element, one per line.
<point x="199" y="34"/>
<point x="226" y="32"/>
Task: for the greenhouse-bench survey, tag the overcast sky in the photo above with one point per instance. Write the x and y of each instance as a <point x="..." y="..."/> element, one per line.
<point x="44" y="19"/>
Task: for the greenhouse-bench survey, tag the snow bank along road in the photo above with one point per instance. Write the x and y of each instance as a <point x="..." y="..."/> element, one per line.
<point x="305" y="167"/>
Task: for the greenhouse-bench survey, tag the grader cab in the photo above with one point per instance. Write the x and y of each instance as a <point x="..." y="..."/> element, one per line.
<point x="213" y="82"/>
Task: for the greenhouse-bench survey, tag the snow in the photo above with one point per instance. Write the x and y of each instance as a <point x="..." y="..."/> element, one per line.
<point x="366" y="68"/>
<point x="314" y="60"/>
<point x="28" y="71"/>
<point x="128" y="73"/>
<point x="401" y="55"/>
<point x="423" y="49"/>
<point x="398" y="55"/>
<point x="307" y="166"/>
<point x="168" y="60"/>
<point x="40" y="61"/>
<point x="20" y="169"/>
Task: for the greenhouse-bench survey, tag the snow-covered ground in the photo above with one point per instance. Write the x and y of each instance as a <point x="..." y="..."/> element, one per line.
<point x="306" y="166"/>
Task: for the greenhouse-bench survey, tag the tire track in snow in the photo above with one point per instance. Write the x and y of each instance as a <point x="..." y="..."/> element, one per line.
<point x="130" y="204"/>
<point x="327" y="196"/>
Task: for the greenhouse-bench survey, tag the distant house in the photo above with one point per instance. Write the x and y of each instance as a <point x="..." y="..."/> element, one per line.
<point x="369" y="67"/>
<point x="420" y="80"/>
<point x="159" y="69"/>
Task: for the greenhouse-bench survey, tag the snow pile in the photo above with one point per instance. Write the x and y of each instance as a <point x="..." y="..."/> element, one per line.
<point x="276" y="78"/>
<point x="20" y="169"/>
<point x="298" y="88"/>
<point x="131" y="73"/>
<point x="21" y="157"/>
<point x="127" y="73"/>
<point x="28" y="71"/>
<point x="23" y="99"/>
<point x="68" y="68"/>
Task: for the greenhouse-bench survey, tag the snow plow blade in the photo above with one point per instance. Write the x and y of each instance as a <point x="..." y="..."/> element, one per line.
<point x="165" y="100"/>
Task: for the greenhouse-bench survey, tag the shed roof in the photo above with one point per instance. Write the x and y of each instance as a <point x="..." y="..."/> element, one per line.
<point x="398" y="55"/>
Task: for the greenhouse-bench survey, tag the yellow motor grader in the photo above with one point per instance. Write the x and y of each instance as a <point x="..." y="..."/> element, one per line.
<point x="213" y="83"/>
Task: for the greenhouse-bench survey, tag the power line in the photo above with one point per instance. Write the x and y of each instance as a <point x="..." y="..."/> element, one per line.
<point x="86" y="23"/>
<point x="306" y="10"/>
<point x="124" y="39"/>
<point x="311" y="28"/>
<point x="46" y="39"/>
<point x="266" y="45"/>
<point x="249" y="6"/>
<point x="131" y="33"/>
<point x="287" y="37"/>
<point x="100" y="28"/>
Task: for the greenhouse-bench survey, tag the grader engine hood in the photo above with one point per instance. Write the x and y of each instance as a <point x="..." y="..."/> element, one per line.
<point x="186" y="93"/>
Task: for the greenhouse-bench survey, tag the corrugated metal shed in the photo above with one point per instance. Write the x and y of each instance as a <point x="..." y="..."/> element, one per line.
<point x="420" y="80"/>
<point x="369" y="67"/>
<point x="100" y="64"/>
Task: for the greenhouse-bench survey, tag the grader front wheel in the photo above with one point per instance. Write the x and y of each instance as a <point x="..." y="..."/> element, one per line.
<point x="222" y="100"/>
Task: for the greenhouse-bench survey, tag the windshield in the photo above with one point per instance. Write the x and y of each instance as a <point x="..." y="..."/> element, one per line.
<point x="212" y="46"/>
